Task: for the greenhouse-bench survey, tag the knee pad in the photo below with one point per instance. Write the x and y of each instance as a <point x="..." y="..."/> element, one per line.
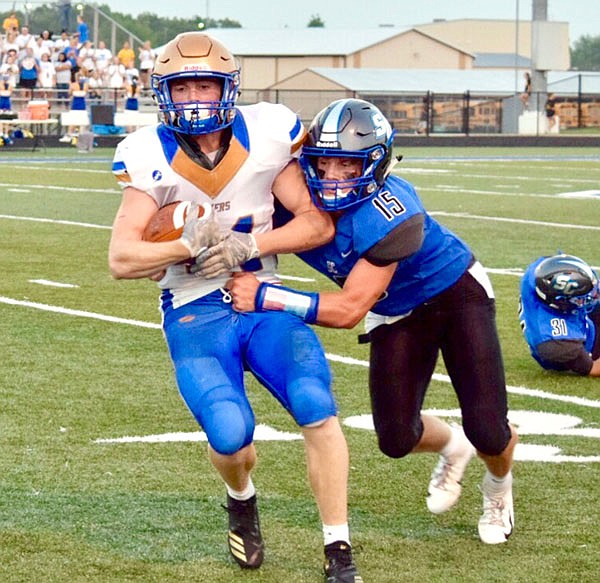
<point x="311" y="401"/>
<point x="222" y="411"/>
<point x="488" y="432"/>
<point x="397" y="440"/>
<point x="226" y="427"/>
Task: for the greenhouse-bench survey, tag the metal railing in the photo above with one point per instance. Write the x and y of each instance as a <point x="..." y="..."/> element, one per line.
<point x="427" y="114"/>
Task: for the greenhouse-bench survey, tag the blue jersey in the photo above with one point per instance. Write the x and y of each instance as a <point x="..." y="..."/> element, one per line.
<point x="439" y="263"/>
<point x="540" y="323"/>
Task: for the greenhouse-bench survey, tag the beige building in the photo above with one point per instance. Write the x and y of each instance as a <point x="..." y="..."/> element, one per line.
<point x="497" y="36"/>
<point x="270" y="56"/>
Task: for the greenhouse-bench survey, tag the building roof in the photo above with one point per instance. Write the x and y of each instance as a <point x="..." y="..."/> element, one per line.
<point x="314" y="41"/>
<point x="451" y="81"/>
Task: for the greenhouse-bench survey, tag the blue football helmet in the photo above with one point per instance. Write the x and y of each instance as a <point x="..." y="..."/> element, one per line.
<point x="196" y="55"/>
<point x="347" y="128"/>
<point x="567" y="283"/>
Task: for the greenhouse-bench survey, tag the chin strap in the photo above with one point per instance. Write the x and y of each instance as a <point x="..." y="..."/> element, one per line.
<point x="270" y="297"/>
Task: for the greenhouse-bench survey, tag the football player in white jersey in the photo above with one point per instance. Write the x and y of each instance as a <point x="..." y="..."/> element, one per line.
<point x="233" y="161"/>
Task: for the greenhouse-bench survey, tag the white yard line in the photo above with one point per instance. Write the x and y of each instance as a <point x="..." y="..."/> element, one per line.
<point x="537" y="393"/>
<point x="46" y="187"/>
<point x="518" y="221"/>
<point x="56" y="221"/>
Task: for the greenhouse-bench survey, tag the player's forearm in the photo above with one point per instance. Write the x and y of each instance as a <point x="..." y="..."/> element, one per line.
<point x="330" y="309"/>
<point x="139" y="259"/>
<point x="337" y="310"/>
<point x="306" y="231"/>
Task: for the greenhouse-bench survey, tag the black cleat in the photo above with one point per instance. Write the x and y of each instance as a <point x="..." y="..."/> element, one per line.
<point x="244" y="539"/>
<point x="339" y="566"/>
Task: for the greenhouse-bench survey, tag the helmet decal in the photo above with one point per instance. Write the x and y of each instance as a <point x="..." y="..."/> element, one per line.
<point x="567" y="283"/>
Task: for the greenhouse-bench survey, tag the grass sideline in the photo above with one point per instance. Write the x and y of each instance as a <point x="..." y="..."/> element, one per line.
<point x="77" y="510"/>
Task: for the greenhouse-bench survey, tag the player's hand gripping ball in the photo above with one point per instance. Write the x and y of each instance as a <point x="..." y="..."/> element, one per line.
<point x="168" y="221"/>
<point x="196" y="226"/>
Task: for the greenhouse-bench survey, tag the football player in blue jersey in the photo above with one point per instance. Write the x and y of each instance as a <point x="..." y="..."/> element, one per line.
<point x="422" y="292"/>
<point x="559" y="314"/>
<point x="234" y="161"/>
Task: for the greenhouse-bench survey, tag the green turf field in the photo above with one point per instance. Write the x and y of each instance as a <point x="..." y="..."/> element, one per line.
<point x="84" y="367"/>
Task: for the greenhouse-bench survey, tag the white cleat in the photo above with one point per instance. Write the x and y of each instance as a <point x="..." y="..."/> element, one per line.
<point x="497" y="521"/>
<point x="445" y="482"/>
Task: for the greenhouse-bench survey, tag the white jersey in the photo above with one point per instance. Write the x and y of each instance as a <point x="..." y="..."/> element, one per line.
<point x="265" y="137"/>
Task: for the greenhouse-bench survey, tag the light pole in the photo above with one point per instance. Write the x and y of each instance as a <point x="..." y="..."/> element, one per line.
<point x="27" y="6"/>
<point x="517" y="48"/>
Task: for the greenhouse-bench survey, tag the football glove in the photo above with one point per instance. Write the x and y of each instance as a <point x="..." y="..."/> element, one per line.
<point x="234" y="250"/>
<point x="199" y="233"/>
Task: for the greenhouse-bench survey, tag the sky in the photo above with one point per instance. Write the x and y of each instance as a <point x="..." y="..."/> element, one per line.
<point x="583" y="16"/>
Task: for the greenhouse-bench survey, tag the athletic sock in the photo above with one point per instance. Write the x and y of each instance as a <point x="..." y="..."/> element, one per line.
<point x="495" y="484"/>
<point x="337" y="532"/>
<point x="245" y="494"/>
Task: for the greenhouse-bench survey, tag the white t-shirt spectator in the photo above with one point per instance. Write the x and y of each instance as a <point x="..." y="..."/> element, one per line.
<point x="47" y="73"/>
<point x="115" y="74"/>
<point x="103" y="57"/>
<point x="10" y="71"/>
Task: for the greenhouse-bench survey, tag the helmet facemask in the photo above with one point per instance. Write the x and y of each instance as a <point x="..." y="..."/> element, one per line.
<point x="332" y="195"/>
<point x="352" y="129"/>
<point x="195" y="55"/>
<point x="197" y="117"/>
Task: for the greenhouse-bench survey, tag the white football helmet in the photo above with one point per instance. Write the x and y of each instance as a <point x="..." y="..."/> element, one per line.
<point x="193" y="55"/>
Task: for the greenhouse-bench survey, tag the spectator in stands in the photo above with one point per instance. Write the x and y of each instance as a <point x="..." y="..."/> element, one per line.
<point x="87" y="56"/>
<point x="126" y="55"/>
<point x="550" y="111"/>
<point x="29" y="71"/>
<point x="9" y="69"/>
<point x="60" y="44"/>
<point x="147" y="57"/>
<point x="63" y="78"/>
<point x="47" y="41"/>
<point x="116" y="74"/>
<point x="40" y="49"/>
<point x="95" y="85"/>
<point x="11" y="23"/>
<point x="47" y="75"/>
<point x="130" y="74"/>
<point x="9" y="45"/>
<point x="24" y="40"/>
<point x="65" y="14"/>
<point x="102" y="57"/>
<point x="72" y="52"/>
<point x="83" y="29"/>
<point x="526" y="91"/>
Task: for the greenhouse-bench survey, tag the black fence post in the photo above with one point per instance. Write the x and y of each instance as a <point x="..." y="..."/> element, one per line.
<point x="430" y="112"/>
<point x="579" y="103"/>
<point x="466" y="112"/>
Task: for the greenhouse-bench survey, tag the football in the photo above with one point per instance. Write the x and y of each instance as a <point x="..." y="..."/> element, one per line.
<point x="167" y="223"/>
